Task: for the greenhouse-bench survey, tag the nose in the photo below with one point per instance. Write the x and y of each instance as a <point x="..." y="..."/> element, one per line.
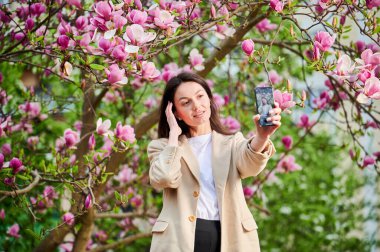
<point x="196" y="105"/>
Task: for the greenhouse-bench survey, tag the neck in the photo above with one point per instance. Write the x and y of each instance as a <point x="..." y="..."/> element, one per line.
<point x="200" y="130"/>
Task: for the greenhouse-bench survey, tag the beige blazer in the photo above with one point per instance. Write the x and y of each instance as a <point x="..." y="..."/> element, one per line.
<point x="176" y="171"/>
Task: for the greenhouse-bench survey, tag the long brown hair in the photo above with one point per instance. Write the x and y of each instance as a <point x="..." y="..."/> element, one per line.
<point x="170" y="89"/>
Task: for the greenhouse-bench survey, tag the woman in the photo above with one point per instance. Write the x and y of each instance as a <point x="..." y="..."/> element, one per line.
<point x="199" y="165"/>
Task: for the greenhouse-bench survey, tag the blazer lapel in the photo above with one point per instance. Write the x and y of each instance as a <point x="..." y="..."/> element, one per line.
<point x="221" y="157"/>
<point x="189" y="158"/>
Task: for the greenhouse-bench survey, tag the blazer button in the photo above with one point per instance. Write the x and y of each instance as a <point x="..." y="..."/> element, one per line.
<point x="195" y="194"/>
<point x="192" y="218"/>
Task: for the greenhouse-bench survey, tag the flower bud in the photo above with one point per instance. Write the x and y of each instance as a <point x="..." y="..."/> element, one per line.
<point x="303" y="96"/>
<point x="68" y="218"/>
<point x="289" y="86"/>
<point x="88" y="201"/>
<point x="248" y="47"/>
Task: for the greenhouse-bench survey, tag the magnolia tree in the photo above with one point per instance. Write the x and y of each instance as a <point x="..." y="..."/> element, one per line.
<point x="81" y="80"/>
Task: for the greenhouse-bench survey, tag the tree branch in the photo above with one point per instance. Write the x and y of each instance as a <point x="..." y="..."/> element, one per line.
<point x="37" y="178"/>
<point x="124" y="241"/>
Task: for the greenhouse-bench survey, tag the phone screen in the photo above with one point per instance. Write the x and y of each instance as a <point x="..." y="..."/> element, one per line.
<point x="264" y="103"/>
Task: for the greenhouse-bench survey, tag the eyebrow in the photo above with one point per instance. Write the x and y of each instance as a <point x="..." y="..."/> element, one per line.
<point x="181" y="98"/>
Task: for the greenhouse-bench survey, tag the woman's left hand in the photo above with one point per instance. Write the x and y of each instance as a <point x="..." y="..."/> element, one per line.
<point x="265" y="132"/>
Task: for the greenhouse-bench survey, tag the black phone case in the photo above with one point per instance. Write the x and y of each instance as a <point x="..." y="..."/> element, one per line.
<point x="267" y="93"/>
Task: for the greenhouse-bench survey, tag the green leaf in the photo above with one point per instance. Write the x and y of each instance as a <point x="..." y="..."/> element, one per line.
<point x="97" y="66"/>
<point x="22" y="177"/>
<point x="117" y="195"/>
<point x="33" y="234"/>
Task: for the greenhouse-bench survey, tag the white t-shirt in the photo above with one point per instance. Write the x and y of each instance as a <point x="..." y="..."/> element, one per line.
<point x="207" y="207"/>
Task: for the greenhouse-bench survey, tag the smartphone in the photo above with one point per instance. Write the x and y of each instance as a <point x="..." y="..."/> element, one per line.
<point x="264" y="103"/>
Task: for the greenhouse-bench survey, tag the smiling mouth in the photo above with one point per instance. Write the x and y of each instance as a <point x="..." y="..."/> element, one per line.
<point x="199" y="114"/>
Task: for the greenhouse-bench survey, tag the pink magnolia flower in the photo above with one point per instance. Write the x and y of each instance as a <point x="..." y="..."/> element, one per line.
<point x="369" y="59"/>
<point x="287" y="141"/>
<point x="68" y="218"/>
<point x="149" y="71"/>
<point x="67" y="247"/>
<point x="285" y="100"/>
<point x="248" y="191"/>
<point x="304" y="122"/>
<point x="323" y="100"/>
<point x="78" y="125"/>
<point x="33" y="109"/>
<point x="324" y="3"/>
<point x="276" y="5"/>
<point x="248" y="47"/>
<point x="71" y="138"/>
<point x="16" y="165"/>
<point x="137" y="17"/>
<point x="33" y="141"/>
<point x="265" y="25"/>
<point x="88" y="201"/>
<point x="119" y="53"/>
<point x="81" y="23"/>
<point x="115" y="75"/>
<point x="371" y="124"/>
<point x="9" y="181"/>
<point x="212" y="11"/>
<point x="125" y="175"/>
<point x="136" y="35"/>
<point x="6" y="149"/>
<point x="91" y="142"/>
<point x="49" y="193"/>
<point x="368" y="160"/>
<point x="104" y="10"/>
<point x="102" y="127"/>
<point x="196" y="60"/>
<point x="108" y="144"/>
<point x="2" y="214"/>
<point x="29" y="24"/>
<point x="372" y="3"/>
<point x="136" y="201"/>
<point x="231" y="123"/>
<point x="13" y="231"/>
<point x="371" y="90"/>
<point x="119" y="21"/>
<point x="170" y="70"/>
<point x="37" y="9"/>
<point x="163" y="19"/>
<point x="106" y="45"/>
<point x="101" y="236"/>
<point x="274" y="78"/>
<point x="75" y="3"/>
<point x="64" y="28"/>
<point x="1" y="160"/>
<point x="223" y="11"/>
<point x="63" y="42"/>
<point x="125" y="133"/>
<point x="288" y="164"/>
<point x="344" y="67"/>
<point x="360" y="46"/>
<point x="150" y="102"/>
<point x="323" y="40"/>
<point x="364" y="75"/>
<point x="223" y="31"/>
<point x="218" y="100"/>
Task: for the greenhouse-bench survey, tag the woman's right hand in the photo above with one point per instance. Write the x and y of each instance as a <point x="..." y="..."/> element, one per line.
<point x="173" y="125"/>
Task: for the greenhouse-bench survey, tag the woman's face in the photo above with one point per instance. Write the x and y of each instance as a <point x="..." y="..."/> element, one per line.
<point x="192" y="104"/>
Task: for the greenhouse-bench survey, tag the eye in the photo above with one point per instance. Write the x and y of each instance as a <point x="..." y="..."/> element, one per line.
<point x="185" y="103"/>
<point x="200" y="96"/>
